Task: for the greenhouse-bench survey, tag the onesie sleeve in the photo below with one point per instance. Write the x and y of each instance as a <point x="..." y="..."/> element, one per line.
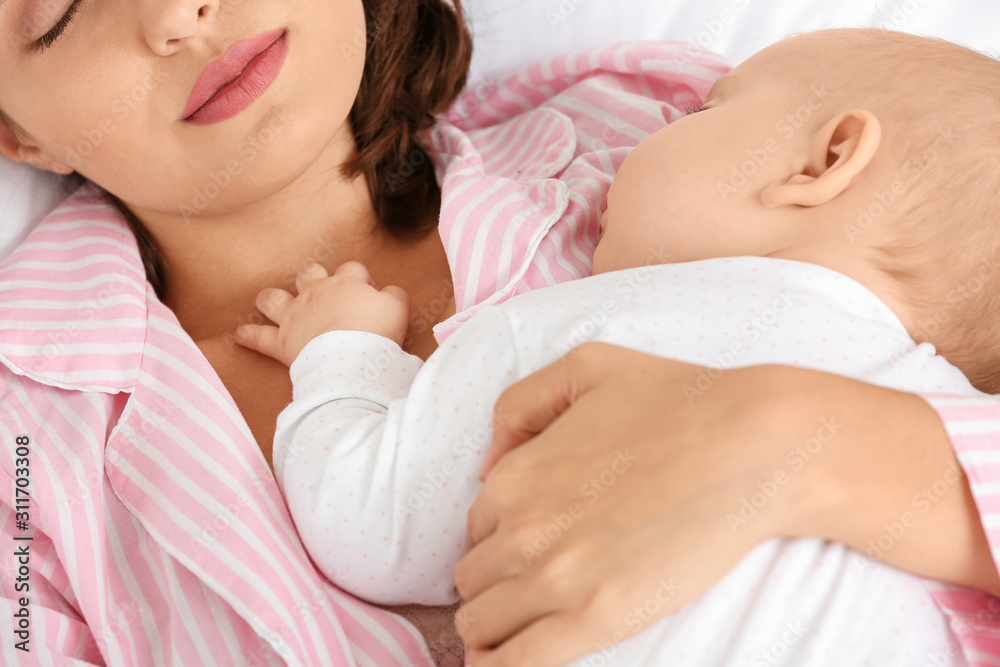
<point x="378" y="458"/>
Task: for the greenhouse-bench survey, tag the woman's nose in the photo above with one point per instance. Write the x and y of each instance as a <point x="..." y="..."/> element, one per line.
<point x="166" y="23"/>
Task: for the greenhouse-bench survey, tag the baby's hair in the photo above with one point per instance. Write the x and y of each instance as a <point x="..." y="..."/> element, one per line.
<point x="416" y="64"/>
<point x="939" y="235"/>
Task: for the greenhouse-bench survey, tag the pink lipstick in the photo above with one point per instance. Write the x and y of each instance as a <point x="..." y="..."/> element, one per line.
<point x="231" y="84"/>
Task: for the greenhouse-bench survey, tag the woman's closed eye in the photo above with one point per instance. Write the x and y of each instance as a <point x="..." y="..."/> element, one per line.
<point x="49" y="38"/>
<point x="694" y="109"/>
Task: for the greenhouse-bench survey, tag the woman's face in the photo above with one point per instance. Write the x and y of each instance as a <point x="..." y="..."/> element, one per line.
<point x="107" y="97"/>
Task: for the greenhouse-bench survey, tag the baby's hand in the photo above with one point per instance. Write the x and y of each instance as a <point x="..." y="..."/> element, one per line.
<point x="347" y="300"/>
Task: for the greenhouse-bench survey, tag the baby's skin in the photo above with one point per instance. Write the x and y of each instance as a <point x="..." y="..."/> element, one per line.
<point x="814" y="135"/>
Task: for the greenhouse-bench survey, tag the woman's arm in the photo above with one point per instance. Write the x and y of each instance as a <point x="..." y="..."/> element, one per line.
<point x="571" y="543"/>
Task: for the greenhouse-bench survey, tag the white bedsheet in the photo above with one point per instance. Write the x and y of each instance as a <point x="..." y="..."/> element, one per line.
<point x="513" y="33"/>
<point x="801" y="603"/>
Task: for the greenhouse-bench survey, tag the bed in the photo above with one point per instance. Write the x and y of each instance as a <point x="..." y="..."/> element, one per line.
<point x="513" y="33"/>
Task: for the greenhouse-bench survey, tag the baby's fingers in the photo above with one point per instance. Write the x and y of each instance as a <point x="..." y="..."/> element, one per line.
<point x="399" y="293"/>
<point x="311" y="272"/>
<point x="354" y="270"/>
<point x="274" y="302"/>
<point x="260" y="337"/>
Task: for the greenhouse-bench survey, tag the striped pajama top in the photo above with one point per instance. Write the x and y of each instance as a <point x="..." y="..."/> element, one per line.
<point x="141" y="524"/>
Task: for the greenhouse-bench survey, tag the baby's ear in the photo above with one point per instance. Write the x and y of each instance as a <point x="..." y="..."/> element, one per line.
<point x="13" y="148"/>
<point x="837" y="154"/>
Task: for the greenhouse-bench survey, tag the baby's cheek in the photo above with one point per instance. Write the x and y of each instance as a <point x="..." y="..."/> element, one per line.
<point x="600" y="264"/>
<point x="612" y="253"/>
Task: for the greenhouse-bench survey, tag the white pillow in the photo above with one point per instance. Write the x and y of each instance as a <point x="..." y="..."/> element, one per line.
<point x="511" y="34"/>
<point x="26" y="196"/>
<point x="514" y="33"/>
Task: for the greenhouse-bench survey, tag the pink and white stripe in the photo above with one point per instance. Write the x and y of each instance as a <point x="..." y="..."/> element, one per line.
<point x="524" y="170"/>
<point x="160" y="537"/>
<point x="973" y="424"/>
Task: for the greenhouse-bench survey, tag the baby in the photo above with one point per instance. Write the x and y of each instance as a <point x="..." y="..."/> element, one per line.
<point x="830" y="205"/>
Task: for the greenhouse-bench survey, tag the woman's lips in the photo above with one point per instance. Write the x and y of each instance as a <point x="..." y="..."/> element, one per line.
<point x="230" y="84"/>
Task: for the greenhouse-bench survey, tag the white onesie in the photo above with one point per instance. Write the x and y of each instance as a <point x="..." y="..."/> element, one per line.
<point x="378" y="454"/>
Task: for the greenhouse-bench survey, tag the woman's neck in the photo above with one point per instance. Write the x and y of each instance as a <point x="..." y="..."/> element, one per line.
<point x="216" y="264"/>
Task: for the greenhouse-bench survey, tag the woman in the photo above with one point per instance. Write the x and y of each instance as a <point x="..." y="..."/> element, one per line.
<point x="159" y="535"/>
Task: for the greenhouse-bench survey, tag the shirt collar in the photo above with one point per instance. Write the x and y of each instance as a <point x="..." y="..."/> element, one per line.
<point x="515" y="199"/>
<point x="73" y="299"/>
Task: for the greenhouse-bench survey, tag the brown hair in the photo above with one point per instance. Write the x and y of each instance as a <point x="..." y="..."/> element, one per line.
<point x="416" y="64"/>
<point x="932" y="228"/>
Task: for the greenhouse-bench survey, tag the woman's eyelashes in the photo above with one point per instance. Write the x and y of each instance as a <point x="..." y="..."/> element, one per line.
<point x="692" y="110"/>
<point x="49" y="38"/>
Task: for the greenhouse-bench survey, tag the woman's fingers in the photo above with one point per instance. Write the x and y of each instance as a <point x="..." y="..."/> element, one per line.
<point x="535" y="645"/>
<point x="480" y="568"/>
<point x="482" y="518"/>
<point x="489" y="627"/>
<point x="310" y="272"/>
<point x="527" y="408"/>
<point x="515" y="621"/>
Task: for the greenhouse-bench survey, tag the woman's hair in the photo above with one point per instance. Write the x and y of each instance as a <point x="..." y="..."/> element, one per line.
<point x="416" y="64"/>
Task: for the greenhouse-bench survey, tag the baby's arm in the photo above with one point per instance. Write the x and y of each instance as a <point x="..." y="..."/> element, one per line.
<point x="375" y="461"/>
<point x="349" y="471"/>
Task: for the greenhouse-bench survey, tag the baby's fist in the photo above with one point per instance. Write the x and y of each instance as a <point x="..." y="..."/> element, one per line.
<point x="345" y="301"/>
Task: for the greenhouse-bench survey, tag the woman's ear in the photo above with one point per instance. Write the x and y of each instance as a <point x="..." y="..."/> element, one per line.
<point x="837" y="154"/>
<point x="13" y="148"/>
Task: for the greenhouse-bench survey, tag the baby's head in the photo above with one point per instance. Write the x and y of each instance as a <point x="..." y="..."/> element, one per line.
<point x="871" y="152"/>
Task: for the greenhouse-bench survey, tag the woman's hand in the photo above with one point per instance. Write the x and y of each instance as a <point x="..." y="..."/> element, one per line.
<point x="347" y="300"/>
<point x="651" y="478"/>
